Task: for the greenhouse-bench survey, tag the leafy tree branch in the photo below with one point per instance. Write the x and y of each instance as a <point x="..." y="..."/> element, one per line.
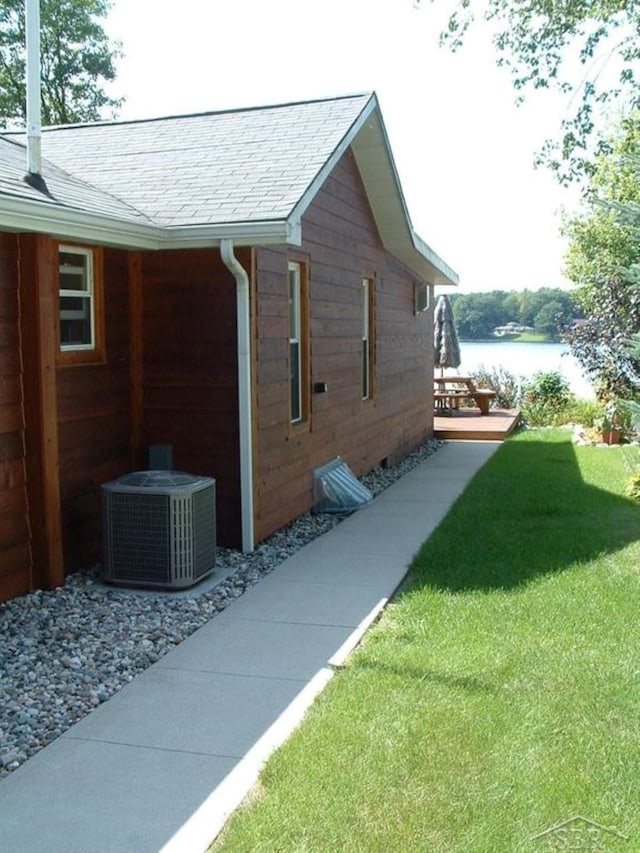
<point x="587" y="48"/>
<point x="77" y="61"/>
<point x="604" y="261"/>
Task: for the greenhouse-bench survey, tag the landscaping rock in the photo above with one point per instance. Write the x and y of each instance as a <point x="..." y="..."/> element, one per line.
<point x="64" y="652"/>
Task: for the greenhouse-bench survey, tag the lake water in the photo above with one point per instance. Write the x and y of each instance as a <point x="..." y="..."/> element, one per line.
<point x="524" y="360"/>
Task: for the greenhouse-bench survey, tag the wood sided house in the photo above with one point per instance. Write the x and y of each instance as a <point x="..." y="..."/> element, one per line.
<point x="239" y="285"/>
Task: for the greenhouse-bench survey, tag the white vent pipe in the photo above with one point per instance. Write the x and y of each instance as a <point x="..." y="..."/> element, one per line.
<point x="32" y="19"/>
<point x="244" y="391"/>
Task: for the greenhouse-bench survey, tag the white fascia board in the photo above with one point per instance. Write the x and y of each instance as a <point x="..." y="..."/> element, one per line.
<point x="325" y="171"/>
<point x="444" y="273"/>
<point x="71" y="224"/>
<point x="382" y="183"/>
<point x="243" y="234"/>
<point x="378" y="169"/>
<point x="370" y="144"/>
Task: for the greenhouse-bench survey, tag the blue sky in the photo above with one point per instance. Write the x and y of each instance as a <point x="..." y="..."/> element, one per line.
<point x="463" y="150"/>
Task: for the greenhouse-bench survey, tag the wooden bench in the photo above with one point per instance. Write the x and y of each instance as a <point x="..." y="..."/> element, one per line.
<point x="449" y="399"/>
<point x="463" y="388"/>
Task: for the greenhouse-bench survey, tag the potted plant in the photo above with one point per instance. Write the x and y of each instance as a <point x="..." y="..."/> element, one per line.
<point x="610" y="424"/>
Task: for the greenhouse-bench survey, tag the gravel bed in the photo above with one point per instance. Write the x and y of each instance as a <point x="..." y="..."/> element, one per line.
<point x="64" y="652"/>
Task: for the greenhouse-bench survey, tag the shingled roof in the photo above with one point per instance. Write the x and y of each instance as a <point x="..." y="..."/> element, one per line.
<point x="243" y="166"/>
<point x="64" y="189"/>
<point x="246" y="174"/>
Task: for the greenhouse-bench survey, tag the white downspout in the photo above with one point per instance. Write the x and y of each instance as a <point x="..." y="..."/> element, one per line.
<point x="32" y="26"/>
<point x="244" y="391"/>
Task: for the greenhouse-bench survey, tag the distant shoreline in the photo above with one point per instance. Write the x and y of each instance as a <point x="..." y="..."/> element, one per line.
<point x="511" y="339"/>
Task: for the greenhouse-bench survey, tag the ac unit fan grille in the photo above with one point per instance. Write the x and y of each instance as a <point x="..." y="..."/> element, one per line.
<point x="140" y="540"/>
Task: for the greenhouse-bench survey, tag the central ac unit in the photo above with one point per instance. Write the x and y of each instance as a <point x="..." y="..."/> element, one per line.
<point x="159" y="529"/>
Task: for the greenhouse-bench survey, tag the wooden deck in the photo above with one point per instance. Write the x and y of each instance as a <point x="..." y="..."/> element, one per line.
<point x="469" y="424"/>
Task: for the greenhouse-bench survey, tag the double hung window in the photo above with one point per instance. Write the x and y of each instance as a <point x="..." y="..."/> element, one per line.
<point x="295" y="352"/>
<point x="80" y="312"/>
<point x="298" y="345"/>
<point x="366" y="314"/>
<point x="77" y="328"/>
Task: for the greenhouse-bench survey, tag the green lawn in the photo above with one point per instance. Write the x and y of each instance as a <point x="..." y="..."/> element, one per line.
<point x="535" y="338"/>
<point x="498" y="695"/>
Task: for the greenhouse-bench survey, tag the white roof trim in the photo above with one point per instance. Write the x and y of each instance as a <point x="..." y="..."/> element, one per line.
<point x="451" y="277"/>
<point x="375" y="161"/>
<point x="71" y="224"/>
<point x="368" y="139"/>
<point x="47" y="218"/>
<point x="242" y="233"/>
<point x="313" y="188"/>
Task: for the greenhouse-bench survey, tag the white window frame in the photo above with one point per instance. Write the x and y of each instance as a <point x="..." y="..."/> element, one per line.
<point x="296" y="412"/>
<point x="88" y="294"/>
<point x="366" y="333"/>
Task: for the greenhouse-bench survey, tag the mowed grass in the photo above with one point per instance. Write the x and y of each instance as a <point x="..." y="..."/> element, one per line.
<point x="498" y="695"/>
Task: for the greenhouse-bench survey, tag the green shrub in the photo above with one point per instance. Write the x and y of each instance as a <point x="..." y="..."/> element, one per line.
<point x="579" y="411"/>
<point x="547" y="400"/>
<point x="508" y="386"/>
<point x="542" y="414"/>
<point x="584" y="412"/>
<point x="549" y="389"/>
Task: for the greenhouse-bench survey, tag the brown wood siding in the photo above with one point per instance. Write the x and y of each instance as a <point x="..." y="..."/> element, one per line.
<point x="15" y="549"/>
<point x="342" y="245"/>
<point x="39" y="313"/>
<point x="190" y="397"/>
<point x="94" y="426"/>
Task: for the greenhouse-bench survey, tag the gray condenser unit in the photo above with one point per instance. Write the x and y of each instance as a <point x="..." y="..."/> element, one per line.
<point x="159" y="529"/>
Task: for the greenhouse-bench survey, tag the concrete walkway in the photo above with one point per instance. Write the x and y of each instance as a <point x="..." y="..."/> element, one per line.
<point x="161" y="765"/>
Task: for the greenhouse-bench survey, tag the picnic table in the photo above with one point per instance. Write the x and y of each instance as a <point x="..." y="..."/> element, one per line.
<point x="450" y="391"/>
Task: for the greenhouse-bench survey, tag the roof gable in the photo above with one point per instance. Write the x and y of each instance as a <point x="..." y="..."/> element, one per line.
<point x="245" y="174"/>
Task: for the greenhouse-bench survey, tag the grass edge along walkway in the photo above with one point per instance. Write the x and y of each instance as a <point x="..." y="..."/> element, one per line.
<point x="496" y="696"/>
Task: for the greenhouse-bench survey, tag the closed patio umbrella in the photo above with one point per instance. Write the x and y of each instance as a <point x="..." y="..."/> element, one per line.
<point x="445" y="337"/>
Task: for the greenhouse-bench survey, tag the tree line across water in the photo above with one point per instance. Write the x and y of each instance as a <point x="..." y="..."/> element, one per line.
<point x="546" y="312"/>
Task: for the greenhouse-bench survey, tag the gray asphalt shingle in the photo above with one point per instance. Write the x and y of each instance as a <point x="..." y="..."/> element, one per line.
<point x="240" y="166"/>
<point x="66" y="190"/>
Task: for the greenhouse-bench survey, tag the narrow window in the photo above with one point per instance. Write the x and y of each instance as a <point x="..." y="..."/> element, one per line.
<point x="367" y="338"/>
<point x="295" y="342"/>
<point x="81" y="318"/>
<point x="77" y="308"/>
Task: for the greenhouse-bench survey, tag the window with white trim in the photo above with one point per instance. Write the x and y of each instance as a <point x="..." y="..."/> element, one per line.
<point x="295" y="342"/>
<point x="367" y="338"/>
<point x="77" y="299"/>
